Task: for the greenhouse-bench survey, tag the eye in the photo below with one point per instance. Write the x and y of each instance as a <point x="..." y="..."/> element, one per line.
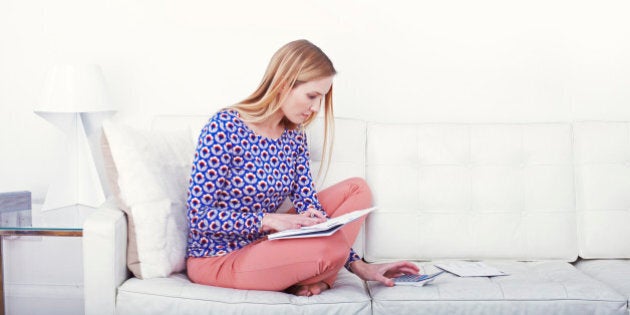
<point x="312" y="96"/>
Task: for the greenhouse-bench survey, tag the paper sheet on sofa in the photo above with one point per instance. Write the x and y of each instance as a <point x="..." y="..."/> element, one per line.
<point x="471" y="269"/>
<point x="323" y="229"/>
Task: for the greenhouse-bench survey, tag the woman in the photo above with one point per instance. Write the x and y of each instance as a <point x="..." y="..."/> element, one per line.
<point x="249" y="158"/>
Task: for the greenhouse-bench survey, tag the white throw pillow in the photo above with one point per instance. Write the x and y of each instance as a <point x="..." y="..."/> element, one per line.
<point x="149" y="181"/>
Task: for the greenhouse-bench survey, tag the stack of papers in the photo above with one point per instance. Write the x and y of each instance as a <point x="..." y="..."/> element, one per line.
<point x="471" y="269"/>
<point x="323" y="229"/>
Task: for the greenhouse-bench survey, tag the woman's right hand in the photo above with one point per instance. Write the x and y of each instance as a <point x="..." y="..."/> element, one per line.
<point x="276" y="222"/>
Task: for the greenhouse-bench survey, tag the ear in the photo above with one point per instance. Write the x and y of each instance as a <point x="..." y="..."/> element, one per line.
<point x="284" y="88"/>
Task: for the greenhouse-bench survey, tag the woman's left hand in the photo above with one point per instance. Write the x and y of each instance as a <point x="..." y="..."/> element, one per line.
<point x="314" y="213"/>
<point x="383" y="272"/>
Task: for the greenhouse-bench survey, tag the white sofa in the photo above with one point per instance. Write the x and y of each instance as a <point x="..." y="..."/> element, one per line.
<point x="548" y="203"/>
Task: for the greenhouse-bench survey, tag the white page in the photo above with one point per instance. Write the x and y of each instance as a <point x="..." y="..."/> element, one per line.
<point x="342" y="219"/>
<point x="310" y="231"/>
<point x="471" y="269"/>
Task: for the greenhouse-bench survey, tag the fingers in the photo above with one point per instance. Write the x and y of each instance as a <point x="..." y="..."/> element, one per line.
<point x="313" y="213"/>
<point x="305" y="221"/>
<point x="384" y="280"/>
<point x="318" y="214"/>
<point x="405" y="265"/>
<point x="412" y="266"/>
<point x="402" y="270"/>
<point x="408" y="270"/>
<point x="384" y="272"/>
<point x="396" y="268"/>
<point x="281" y="222"/>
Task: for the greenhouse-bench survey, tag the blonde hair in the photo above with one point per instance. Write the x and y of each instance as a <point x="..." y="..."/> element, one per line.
<point x="295" y="63"/>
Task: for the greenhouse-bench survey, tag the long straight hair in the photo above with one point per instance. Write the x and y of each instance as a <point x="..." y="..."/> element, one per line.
<point x="295" y="63"/>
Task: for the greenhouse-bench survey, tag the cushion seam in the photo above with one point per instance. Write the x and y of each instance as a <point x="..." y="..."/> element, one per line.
<point x="243" y="302"/>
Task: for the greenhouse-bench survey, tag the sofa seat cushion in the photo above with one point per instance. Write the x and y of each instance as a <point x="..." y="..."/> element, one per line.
<point x="530" y="288"/>
<point x="615" y="273"/>
<point x="177" y="295"/>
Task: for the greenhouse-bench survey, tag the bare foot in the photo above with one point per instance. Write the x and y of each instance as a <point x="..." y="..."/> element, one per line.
<point x="299" y="290"/>
<point x="308" y="289"/>
<point x="317" y="288"/>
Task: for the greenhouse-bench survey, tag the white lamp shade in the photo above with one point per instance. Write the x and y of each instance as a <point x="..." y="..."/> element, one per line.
<point x="74" y="89"/>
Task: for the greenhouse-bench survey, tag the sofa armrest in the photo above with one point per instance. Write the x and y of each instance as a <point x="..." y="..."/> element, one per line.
<point x="104" y="259"/>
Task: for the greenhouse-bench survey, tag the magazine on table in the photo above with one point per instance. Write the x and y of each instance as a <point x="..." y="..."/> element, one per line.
<point x="326" y="228"/>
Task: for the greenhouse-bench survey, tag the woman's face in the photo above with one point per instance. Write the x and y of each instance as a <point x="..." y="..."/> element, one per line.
<point x="305" y="99"/>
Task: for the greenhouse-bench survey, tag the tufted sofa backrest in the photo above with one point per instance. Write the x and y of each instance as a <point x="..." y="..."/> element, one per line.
<point x="471" y="191"/>
<point x="539" y="191"/>
<point x="602" y="171"/>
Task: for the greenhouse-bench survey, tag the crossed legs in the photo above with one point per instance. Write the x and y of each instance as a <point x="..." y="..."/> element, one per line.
<point x="308" y="265"/>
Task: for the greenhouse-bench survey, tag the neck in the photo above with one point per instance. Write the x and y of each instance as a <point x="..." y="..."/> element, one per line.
<point x="274" y="122"/>
<point x="271" y="127"/>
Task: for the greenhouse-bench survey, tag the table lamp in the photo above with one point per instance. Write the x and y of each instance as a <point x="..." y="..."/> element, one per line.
<point x="74" y="99"/>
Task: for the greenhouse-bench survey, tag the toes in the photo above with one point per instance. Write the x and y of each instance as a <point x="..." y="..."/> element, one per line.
<point x="315" y="290"/>
<point x="308" y="290"/>
<point x="318" y="288"/>
<point x="304" y="291"/>
<point x="299" y="290"/>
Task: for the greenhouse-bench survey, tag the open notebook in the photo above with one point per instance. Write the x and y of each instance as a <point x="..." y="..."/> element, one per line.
<point x="323" y="229"/>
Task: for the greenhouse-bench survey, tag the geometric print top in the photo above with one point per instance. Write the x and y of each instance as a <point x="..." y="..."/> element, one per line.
<point x="238" y="176"/>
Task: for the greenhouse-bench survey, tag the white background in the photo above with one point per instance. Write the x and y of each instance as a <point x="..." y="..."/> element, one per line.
<point x="398" y="61"/>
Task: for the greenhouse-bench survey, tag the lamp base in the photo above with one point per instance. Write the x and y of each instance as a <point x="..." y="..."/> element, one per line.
<point x="76" y="180"/>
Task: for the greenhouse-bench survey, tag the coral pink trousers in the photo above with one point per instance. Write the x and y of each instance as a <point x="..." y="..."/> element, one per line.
<point x="276" y="265"/>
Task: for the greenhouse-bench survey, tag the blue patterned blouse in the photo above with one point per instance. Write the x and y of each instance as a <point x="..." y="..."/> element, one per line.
<point x="237" y="176"/>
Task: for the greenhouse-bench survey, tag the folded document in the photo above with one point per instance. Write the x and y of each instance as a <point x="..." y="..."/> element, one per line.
<point x="471" y="269"/>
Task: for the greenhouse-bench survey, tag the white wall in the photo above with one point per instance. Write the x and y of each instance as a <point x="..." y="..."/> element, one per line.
<point x="398" y="61"/>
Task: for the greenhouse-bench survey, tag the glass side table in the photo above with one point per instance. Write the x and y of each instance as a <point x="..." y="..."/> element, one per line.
<point x="17" y="226"/>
